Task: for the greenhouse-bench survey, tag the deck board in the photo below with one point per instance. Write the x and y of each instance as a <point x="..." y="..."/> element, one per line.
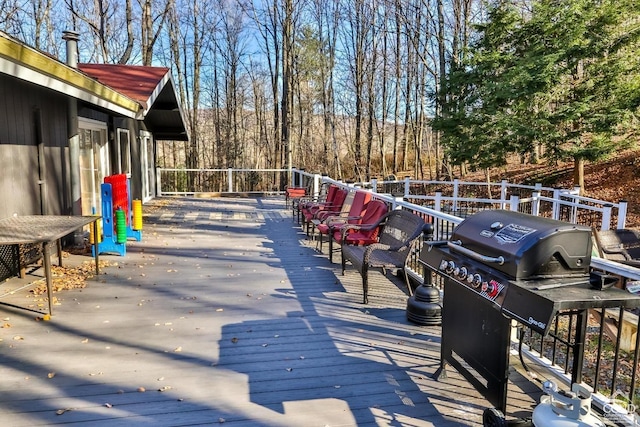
<point x="227" y="307"/>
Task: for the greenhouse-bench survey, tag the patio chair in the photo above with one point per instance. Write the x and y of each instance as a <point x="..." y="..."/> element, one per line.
<point x="295" y="193"/>
<point x="399" y="231"/>
<point x="327" y="193"/>
<point x="322" y="216"/>
<point x="622" y="245"/>
<point x="364" y="232"/>
<point x="331" y="207"/>
<point x="333" y="223"/>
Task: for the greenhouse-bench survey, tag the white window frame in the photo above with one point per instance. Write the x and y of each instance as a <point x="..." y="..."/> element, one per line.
<point x="123" y="151"/>
<point x="98" y="163"/>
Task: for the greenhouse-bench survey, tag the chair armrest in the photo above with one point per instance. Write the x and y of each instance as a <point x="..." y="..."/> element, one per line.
<point x="358" y="227"/>
<point x="340" y="219"/>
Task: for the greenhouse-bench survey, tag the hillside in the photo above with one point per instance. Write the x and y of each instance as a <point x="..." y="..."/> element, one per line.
<point x="615" y="179"/>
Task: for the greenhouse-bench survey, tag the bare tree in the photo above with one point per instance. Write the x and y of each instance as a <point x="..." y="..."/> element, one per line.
<point x="188" y="27"/>
<point x="326" y="17"/>
<point x="151" y="25"/>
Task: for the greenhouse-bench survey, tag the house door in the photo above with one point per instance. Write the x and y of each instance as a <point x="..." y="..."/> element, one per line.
<point x="147" y="166"/>
<point x="94" y="163"/>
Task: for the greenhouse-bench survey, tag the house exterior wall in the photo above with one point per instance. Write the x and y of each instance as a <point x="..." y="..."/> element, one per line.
<point x="29" y="116"/>
<point x="34" y="141"/>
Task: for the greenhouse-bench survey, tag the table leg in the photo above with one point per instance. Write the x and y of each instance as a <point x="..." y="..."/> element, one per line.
<point x="94" y="226"/>
<point x="47" y="272"/>
<point x="59" y="248"/>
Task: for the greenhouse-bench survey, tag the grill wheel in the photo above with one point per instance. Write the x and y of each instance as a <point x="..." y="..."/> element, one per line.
<point x="492" y="417"/>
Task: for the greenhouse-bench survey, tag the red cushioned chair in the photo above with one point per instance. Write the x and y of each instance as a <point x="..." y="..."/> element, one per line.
<point x="322" y="216"/>
<point x="364" y="233"/>
<point x="335" y="222"/>
<point x="328" y="192"/>
<point x="326" y="209"/>
<point x="294" y="193"/>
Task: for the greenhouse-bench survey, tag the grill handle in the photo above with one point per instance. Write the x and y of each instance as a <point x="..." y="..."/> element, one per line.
<point x="456" y="245"/>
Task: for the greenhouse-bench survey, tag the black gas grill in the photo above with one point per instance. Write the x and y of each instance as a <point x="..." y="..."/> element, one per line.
<point x="500" y="266"/>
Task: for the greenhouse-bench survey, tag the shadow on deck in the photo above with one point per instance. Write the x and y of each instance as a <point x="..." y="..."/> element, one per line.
<point x="225" y="313"/>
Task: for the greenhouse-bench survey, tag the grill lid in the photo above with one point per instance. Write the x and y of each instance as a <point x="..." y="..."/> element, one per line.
<point x="524" y="246"/>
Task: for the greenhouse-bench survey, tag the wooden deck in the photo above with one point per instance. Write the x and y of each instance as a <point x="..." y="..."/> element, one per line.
<point x="225" y="313"/>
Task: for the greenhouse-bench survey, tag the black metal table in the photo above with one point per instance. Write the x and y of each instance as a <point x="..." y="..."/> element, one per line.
<point x="44" y="229"/>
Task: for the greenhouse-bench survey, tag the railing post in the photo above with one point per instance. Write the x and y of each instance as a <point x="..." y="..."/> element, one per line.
<point x="230" y="180"/>
<point x="394" y="203"/>
<point x="514" y="202"/>
<point x="316" y="185"/>
<point x="454" y="205"/>
<point x="622" y="214"/>
<point x="407" y="187"/>
<point x="437" y="202"/>
<point x="574" y="210"/>
<point x="158" y="182"/>
<point x="535" y="203"/>
<point x="503" y="191"/>
<point x="556" y="204"/>
<point x="606" y="217"/>
<point x="374" y="185"/>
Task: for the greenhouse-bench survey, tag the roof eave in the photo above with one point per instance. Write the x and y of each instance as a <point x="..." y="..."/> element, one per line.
<point x="28" y="64"/>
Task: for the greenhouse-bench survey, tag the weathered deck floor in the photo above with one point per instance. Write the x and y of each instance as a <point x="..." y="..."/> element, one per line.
<point x="224" y="313"/>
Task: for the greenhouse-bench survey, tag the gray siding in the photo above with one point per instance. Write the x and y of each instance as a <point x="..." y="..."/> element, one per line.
<point x="20" y="105"/>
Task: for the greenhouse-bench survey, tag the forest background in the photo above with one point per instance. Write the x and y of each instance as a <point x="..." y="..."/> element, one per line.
<point x="434" y="89"/>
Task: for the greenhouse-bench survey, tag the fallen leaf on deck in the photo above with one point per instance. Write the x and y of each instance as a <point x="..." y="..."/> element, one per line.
<point x="141" y="389"/>
<point x="108" y="405"/>
<point x="62" y="411"/>
<point x="18" y="338"/>
<point x="51" y="374"/>
<point x="177" y="350"/>
<point x="165" y="388"/>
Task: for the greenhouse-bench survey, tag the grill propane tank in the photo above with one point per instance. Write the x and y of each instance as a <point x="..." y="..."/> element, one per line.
<point x="565" y="409"/>
<point x="556" y="409"/>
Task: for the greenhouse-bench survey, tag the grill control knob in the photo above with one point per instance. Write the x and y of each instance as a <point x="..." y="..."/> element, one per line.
<point x="462" y="273"/>
<point x="476" y="280"/>
<point x="491" y="288"/>
<point x="449" y="266"/>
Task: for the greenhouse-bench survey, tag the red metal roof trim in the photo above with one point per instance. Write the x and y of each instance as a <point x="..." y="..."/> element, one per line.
<point x="135" y="81"/>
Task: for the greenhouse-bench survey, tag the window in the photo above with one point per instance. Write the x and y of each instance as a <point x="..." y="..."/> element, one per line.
<point x="123" y="148"/>
<point x="94" y="163"/>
